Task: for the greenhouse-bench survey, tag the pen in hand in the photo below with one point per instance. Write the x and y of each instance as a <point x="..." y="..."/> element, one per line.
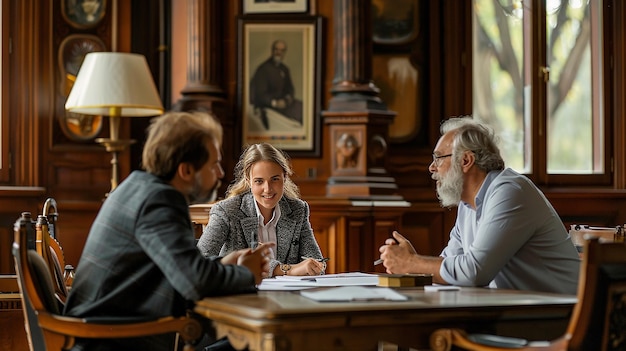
<point x="325" y="259"/>
<point x="380" y="260"/>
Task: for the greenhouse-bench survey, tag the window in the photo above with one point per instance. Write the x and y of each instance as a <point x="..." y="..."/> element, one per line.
<point x="537" y="79"/>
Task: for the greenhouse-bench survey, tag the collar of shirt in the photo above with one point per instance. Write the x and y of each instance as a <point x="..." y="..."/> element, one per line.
<point x="267" y="232"/>
<point x="480" y="196"/>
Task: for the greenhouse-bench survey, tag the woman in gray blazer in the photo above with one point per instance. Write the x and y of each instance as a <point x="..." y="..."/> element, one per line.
<point x="263" y="205"/>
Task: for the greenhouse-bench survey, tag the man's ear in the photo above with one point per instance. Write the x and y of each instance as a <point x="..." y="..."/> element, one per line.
<point x="185" y="171"/>
<point x="468" y="160"/>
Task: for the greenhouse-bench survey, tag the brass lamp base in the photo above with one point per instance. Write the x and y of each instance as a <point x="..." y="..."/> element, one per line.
<point x="114" y="146"/>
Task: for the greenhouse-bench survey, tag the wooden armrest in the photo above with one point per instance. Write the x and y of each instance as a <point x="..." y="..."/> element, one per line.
<point x="188" y="328"/>
<point x="444" y="339"/>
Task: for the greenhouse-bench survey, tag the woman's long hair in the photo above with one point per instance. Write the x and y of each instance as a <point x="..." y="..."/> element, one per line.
<point x="256" y="153"/>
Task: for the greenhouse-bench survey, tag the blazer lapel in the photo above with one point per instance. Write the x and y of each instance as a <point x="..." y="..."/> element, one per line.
<point x="285" y="231"/>
<point x="250" y="223"/>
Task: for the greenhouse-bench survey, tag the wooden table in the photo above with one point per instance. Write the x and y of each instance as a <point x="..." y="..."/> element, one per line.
<point x="282" y="320"/>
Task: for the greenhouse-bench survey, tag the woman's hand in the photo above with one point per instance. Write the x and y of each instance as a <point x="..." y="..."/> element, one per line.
<point x="309" y="266"/>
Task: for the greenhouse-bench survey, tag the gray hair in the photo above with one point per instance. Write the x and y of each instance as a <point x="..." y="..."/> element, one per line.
<point x="475" y="136"/>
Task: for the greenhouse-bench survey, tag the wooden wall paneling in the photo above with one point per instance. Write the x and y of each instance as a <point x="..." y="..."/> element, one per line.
<point x="617" y="50"/>
<point x="357" y="232"/>
<point x="6" y="242"/>
<point x="427" y="226"/>
<point x="150" y="28"/>
<point x="456" y="96"/>
<point x="27" y="96"/>
<point x="311" y="174"/>
<point x="75" y="219"/>
<point x="385" y="223"/>
<point x="326" y="234"/>
<point x="12" y="333"/>
<point x="5" y="169"/>
<point x="594" y="207"/>
<point x="14" y="201"/>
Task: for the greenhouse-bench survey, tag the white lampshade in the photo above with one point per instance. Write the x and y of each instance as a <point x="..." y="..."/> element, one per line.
<point x="114" y="81"/>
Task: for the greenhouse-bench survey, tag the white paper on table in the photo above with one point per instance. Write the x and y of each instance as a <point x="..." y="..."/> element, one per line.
<point x="339" y="279"/>
<point x="437" y="287"/>
<point x="285" y="285"/>
<point x="354" y="293"/>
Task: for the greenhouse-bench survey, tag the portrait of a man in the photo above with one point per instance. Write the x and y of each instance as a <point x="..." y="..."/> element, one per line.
<point x="272" y="88"/>
<point x="279" y="83"/>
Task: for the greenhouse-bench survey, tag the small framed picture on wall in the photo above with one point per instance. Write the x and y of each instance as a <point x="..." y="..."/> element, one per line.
<point x="275" y="6"/>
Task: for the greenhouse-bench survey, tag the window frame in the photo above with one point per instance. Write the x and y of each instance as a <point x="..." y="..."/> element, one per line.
<point x="537" y="141"/>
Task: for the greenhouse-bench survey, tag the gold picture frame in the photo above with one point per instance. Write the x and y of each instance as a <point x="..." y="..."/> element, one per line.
<point x="280" y="102"/>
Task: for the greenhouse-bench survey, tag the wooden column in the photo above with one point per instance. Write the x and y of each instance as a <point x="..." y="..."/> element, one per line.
<point x="357" y="120"/>
<point x="203" y="89"/>
<point x="205" y="78"/>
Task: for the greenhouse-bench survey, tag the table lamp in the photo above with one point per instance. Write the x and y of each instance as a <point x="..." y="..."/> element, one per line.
<point x="117" y="85"/>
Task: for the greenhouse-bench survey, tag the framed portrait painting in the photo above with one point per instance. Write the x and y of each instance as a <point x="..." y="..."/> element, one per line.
<point x="279" y="82"/>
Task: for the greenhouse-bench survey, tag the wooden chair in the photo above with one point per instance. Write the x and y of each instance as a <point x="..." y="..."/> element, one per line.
<point x="51" y="212"/>
<point x="47" y="329"/>
<point x="50" y="254"/>
<point x="598" y="321"/>
<point x="57" y="258"/>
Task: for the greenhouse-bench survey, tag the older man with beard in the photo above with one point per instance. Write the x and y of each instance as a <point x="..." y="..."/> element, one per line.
<point x="507" y="235"/>
<point x="271" y="87"/>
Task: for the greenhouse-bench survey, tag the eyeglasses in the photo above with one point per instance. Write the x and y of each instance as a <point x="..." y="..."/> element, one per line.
<point x="438" y="159"/>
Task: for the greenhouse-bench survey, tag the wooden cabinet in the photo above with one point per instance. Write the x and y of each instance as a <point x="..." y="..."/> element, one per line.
<point x="12" y="331"/>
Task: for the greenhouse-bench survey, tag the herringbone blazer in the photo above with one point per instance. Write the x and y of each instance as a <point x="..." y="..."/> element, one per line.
<point x="233" y="225"/>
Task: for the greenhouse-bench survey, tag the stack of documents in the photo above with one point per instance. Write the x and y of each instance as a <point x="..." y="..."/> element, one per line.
<point x="354" y="293"/>
<point x="288" y="282"/>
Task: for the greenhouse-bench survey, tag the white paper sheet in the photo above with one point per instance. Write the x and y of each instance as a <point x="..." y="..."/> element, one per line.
<point x="339" y="279"/>
<point x="354" y="293"/>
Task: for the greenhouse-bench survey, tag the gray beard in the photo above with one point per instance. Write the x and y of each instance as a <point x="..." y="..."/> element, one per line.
<point x="450" y="187"/>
